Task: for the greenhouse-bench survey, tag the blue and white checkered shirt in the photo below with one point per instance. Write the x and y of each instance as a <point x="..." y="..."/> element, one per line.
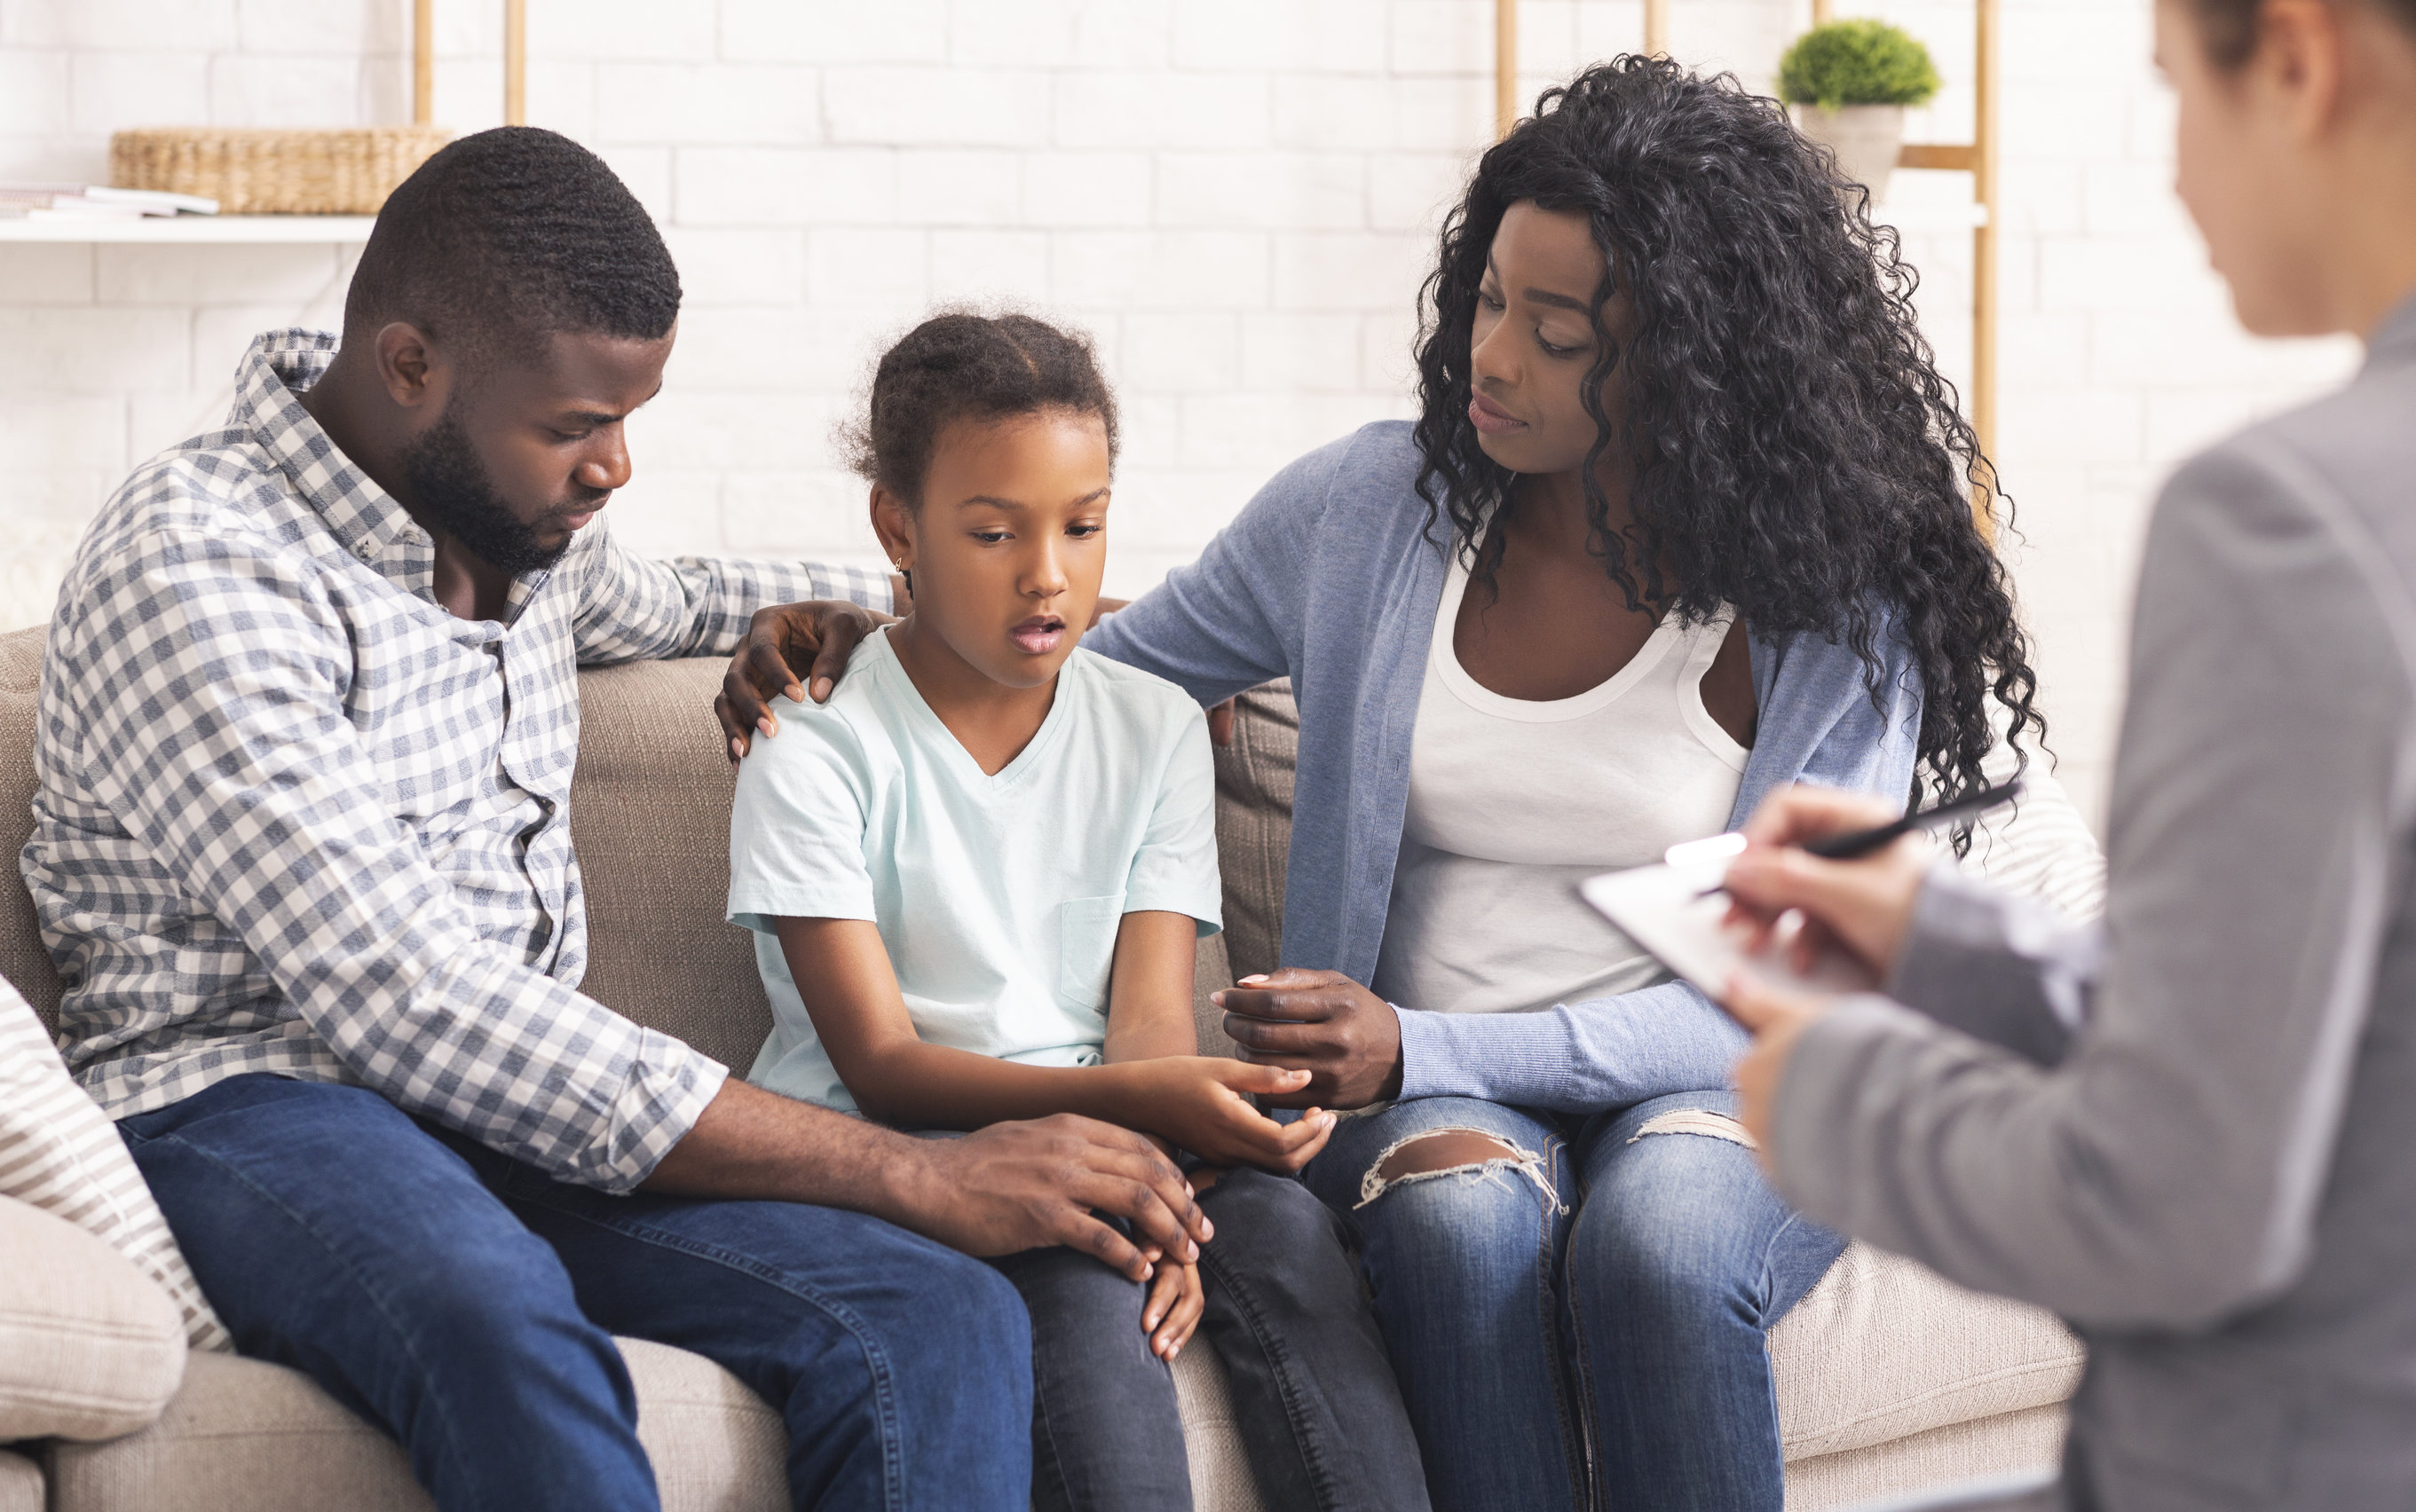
<point x="295" y="817"/>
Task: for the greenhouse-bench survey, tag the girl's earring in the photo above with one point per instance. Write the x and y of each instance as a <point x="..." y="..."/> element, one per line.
<point x="905" y="572"/>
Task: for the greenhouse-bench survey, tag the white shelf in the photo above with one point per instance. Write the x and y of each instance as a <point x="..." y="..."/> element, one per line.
<point x="224" y="230"/>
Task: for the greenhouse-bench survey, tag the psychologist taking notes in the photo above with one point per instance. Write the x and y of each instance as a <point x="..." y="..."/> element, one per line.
<point x="2200" y="1153"/>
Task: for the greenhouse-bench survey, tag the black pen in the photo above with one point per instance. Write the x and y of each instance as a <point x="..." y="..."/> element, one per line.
<point x="1858" y="843"/>
<point x="1855" y="844"/>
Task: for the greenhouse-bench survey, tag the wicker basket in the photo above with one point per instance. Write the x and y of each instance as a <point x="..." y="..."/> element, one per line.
<point x="264" y="173"/>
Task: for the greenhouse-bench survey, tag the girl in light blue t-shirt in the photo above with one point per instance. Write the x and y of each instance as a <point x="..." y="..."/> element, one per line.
<point x="976" y="875"/>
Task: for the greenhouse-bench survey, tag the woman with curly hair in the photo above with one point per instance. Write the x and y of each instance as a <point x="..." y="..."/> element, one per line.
<point x="1686" y="518"/>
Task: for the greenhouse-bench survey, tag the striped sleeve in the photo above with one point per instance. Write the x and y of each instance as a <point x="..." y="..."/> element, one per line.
<point x="633" y="608"/>
<point x="60" y="1153"/>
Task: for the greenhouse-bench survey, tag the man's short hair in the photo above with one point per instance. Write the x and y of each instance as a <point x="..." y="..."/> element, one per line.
<point x="505" y="237"/>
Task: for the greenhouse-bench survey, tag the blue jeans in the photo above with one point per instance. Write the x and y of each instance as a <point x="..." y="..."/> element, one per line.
<point x="1588" y="1319"/>
<point x="466" y="1303"/>
<point x="1313" y="1396"/>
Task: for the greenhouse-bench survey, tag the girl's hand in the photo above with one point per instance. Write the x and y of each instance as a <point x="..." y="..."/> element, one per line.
<point x="1173" y="1310"/>
<point x="1202" y="1103"/>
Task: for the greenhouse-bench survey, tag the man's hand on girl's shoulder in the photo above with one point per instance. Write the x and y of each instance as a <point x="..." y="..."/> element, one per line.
<point x="820" y="635"/>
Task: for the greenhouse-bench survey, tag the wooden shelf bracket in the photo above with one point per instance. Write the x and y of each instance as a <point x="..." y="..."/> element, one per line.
<point x="423" y="62"/>
<point x="1979" y="158"/>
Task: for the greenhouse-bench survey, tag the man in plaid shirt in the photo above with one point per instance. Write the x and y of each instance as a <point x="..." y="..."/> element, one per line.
<point x="309" y="716"/>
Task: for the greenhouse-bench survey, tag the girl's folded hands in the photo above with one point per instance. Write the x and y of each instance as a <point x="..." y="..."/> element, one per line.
<point x="1202" y="1103"/>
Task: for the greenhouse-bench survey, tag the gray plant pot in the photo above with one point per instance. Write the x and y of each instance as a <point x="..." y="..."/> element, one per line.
<point x="1865" y="138"/>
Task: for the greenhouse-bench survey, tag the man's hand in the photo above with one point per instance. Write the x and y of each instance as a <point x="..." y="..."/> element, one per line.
<point x="1009" y="1186"/>
<point x="1202" y="1103"/>
<point x="1347" y="1039"/>
<point x="1864" y="906"/>
<point x="1776" y="1020"/>
<point x="1021" y="1186"/>
<point x="1173" y="1310"/>
<point x="819" y="635"/>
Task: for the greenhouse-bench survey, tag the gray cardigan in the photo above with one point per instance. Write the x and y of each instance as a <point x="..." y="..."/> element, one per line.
<point x="2195" y="1137"/>
<point x="1329" y="578"/>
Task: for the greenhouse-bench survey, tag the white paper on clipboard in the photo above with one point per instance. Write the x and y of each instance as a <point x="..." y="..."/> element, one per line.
<point x="1664" y="910"/>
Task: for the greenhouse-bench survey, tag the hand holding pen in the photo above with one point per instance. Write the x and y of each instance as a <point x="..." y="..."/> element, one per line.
<point x="1845" y="860"/>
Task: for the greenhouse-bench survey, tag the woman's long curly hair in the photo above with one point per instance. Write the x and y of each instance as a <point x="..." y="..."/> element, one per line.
<point x="1799" y="455"/>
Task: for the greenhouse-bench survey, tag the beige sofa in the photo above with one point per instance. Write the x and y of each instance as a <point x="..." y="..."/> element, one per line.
<point x="1889" y="1380"/>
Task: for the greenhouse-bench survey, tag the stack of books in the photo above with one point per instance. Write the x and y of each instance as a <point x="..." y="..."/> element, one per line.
<point x="94" y="202"/>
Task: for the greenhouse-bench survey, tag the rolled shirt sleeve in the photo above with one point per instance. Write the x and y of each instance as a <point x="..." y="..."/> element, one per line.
<point x="211" y="682"/>
<point x="641" y="608"/>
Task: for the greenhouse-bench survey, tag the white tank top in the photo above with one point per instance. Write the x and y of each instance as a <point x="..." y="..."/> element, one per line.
<point x="1513" y="801"/>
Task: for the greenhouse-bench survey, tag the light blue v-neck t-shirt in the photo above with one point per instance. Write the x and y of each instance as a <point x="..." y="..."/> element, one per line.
<point x="997" y="896"/>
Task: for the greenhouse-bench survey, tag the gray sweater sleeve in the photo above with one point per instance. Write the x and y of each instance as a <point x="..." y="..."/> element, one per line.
<point x="1999" y="968"/>
<point x="2166" y="1171"/>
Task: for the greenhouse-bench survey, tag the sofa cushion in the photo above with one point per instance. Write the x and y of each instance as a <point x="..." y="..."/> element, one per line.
<point x="21" y="1483"/>
<point x="1254" y="787"/>
<point x="90" y="1347"/>
<point x="247" y="1436"/>
<point x="650" y="821"/>
<point x="1212" y="1440"/>
<point x="60" y="1153"/>
<point x="23" y="960"/>
<point x="1923" y="1470"/>
<point x="1883" y="1348"/>
<point x="2040" y="847"/>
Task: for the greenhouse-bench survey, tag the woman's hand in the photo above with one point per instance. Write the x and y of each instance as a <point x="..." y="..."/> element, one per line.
<point x="1864" y="906"/>
<point x="820" y="635"/>
<point x="1347" y="1039"/>
<point x="1202" y="1103"/>
<point x="1776" y="1020"/>
<point x="1173" y="1310"/>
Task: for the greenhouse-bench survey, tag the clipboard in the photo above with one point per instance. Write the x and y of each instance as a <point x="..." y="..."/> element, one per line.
<point x="1675" y="913"/>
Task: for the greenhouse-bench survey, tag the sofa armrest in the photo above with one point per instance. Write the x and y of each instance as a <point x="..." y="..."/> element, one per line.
<point x="90" y="1347"/>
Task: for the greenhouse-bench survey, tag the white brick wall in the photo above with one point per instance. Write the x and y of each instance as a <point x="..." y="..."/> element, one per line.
<point x="1235" y="196"/>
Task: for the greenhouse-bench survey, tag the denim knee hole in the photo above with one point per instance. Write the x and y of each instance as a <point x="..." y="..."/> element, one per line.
<point x="1701" y="1122"/>
<point x="1526" y="1162"/>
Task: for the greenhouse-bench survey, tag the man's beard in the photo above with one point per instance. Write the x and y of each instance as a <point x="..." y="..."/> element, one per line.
<point x="451" y="492"/>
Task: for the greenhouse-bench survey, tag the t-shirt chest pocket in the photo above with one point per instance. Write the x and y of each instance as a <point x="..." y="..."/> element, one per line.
<point x="1086" y="948"/>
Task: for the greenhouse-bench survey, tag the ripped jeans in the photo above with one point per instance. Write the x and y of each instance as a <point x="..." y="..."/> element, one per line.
<point x="1586" y="1321"/>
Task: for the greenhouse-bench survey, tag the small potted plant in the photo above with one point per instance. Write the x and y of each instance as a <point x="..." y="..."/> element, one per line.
<point x="1849" y="82"/>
